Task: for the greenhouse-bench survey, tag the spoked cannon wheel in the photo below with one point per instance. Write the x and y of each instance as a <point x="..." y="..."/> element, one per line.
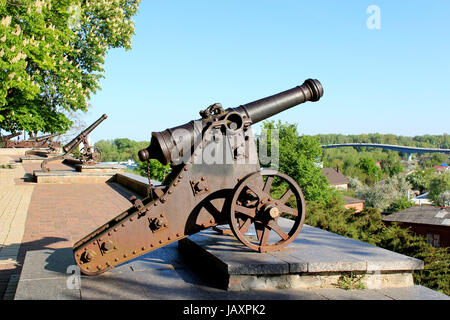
<point x="91" y="155"/>
<point x="257" y="203"/>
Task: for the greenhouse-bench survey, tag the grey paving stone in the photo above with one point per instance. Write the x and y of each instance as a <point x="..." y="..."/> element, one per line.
<point x="340" y="294"/>
<point x="267" y="294"/>
<point x="47" y="263"/>
<point x="235" y="257"/>
<point x="164" y="258"/>
<point x="413" y="293"/>
<point x="170" y="285"/>
<point x="112" y="286"/>
<point x="354" y="253"/>
<point x="46" y="289"/>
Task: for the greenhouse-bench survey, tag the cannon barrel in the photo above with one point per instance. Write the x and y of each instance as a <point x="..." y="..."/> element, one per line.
<point x="310" y="90"/>
<point x="12" y="135"/>
<point x="48" y="136"/>
<point x="164" y="143"/>
<point x="77" y="140"/>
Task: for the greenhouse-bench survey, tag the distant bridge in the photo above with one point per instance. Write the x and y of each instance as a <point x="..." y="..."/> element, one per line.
<point x="405" y="149"/>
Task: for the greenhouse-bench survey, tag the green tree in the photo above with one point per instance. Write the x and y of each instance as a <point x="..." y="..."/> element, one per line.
<point x="437" y="159"/>
<point x="443" y="199"/>
<point x="109" y="150"/>
<point x="52" y="55"/>
<point x="369" y="166"/>
<point x="297" y="158"/>
<point x="439" y="184"/>
<point x="420" y="179"/>
<point x="382" y="194"/>
<point x="158" y="171"/>
<point x="399" y="205"/>
<point x="392" y="165"/>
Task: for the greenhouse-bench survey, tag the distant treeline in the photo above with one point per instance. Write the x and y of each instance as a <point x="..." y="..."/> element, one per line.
<point x="121" y="149"/>
<point x="425" y="141"/>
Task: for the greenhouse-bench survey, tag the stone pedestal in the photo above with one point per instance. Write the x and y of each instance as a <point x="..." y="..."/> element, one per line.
<point x="316" y="258"/>
<point x="100" y="167"/>
<point x="83" y="173"/>
<point x="70" y="177"/>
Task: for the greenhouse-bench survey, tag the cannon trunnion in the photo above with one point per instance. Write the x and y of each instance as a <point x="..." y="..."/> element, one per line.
<point x="215" y="180"/>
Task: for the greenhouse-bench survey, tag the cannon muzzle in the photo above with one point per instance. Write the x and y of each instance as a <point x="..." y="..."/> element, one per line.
<point x="174" y="141"/>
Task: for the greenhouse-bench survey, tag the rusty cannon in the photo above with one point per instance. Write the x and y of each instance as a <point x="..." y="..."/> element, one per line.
<point x="45" y="141"/>
<point x="204" y="190"/>
<point x="87" y="155"/>
<point x="7" y="139"/>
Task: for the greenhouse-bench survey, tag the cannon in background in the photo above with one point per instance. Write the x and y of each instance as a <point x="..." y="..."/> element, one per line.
<point x="87" y="155"/>
<point x="8" y="143"/>
<point x="44" y="142"/>
<point x="199" y="193"/>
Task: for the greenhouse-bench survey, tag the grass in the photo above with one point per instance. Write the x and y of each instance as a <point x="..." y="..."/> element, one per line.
<point x="351" y="282"/>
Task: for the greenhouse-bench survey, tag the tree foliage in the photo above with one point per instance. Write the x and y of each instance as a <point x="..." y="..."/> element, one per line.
<point x="297" y="158"/>
<point x="439" y="184"/>
<point x="369" y="167"/>
<point x="399" y="205"/>
<point x="443" y="199"/>
<point x="124" y="149"/>
<point x="424" y="141"/>
<point x="382" y="194"/>
<point x="363" y="163"/>
<point x="52" y="55"/>
<point x="421" y="179"/>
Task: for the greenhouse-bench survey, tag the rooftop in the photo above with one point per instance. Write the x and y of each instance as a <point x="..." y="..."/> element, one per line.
<point x="350" y="200"/>
<point x="422" y="215"/>
<point x="334" y="177"/>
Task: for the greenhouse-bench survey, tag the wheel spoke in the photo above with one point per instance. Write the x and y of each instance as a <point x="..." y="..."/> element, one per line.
<point x="259" y="228"/>
<point x="264" y="237"/>
<point x="285" y="196"/>
<point x="243" y="228"/>
<point x="286" y="209"/>
<point x="275" y="227"/>
<point x="247" y="211"/>
<point x="257" y="190"/>
<point x="268" y="184"/>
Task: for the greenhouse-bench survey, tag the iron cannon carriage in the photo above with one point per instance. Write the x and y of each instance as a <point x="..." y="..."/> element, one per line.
<point x="215" y="180"/>
<point x="87" y="155"/>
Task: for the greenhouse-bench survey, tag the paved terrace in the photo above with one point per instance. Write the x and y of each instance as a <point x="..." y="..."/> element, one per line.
<point x="41" y="222"/>
<point x="48" y="216"/>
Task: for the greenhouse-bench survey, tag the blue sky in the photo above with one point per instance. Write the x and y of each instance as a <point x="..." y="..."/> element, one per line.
<point x="189" y="54"/>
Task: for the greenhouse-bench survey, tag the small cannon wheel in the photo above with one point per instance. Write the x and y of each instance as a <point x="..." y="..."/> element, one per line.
<point x="98" y="155"/>
<point x="91" y="155"/>
<point x="257" y="203"/>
